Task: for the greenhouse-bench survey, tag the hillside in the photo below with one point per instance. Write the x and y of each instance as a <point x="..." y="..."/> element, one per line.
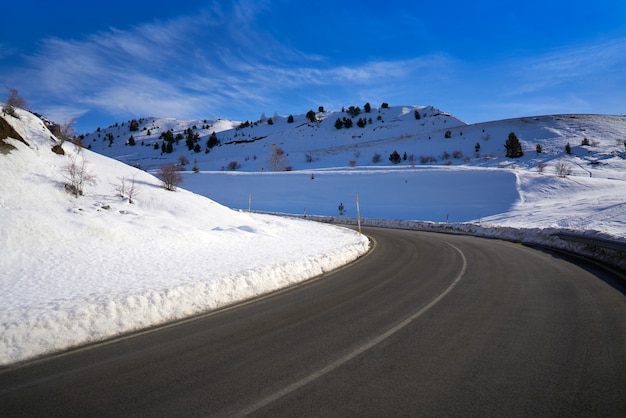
<point x="80" y="268"/>
<point x="313" y="145"/>
<point x="465" y="177"/>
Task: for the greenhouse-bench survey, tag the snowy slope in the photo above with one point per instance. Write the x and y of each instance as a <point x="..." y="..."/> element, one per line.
<point x="313" y="145"/>
<point x="80" y="269"/>
<point x="465" y="177"/>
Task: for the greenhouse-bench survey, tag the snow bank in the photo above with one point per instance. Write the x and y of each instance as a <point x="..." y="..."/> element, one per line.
<point x="75" y="270"/>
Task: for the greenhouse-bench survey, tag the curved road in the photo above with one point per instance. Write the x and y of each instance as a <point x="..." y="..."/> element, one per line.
<point x="424" y="325"/>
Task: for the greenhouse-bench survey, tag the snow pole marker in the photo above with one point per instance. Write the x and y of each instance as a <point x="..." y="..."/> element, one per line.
<point x="358" y="212"/>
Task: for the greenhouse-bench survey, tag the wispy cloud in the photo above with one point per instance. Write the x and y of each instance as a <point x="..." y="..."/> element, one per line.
<point x="578" y="65"/>
<point x="194" y="65"/>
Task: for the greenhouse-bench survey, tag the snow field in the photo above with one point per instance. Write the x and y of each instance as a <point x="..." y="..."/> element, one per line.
<point x="78" y="270"/>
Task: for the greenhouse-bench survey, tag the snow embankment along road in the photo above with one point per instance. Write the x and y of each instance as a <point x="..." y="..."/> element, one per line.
<point x="75" y="270"/>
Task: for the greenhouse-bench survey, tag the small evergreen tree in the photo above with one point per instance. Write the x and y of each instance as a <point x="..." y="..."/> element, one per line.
<point x="477" y="148"/>
<point x="131" y="141"/>
<point x="347" y="123"/>
<point x="448" y="134"/>
<point x="310" y="115"/>
<point x="212" y="141"/>
<point x="385" y="105"/>
<point x="367" y="107"/>
<point x="417" y="114"/>
<point x="539" y="149"/>
<point x="338" y="123"/>
<point x="133" y="126"/>
<point x="513" y="146"/>
<point x="290" y="119"/>
<point x="394" y="157"/>
<point x="568" y="149"/>
<point x="354" y="111"/>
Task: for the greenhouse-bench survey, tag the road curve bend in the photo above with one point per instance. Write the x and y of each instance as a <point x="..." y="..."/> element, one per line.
<point x="426" y="324"/>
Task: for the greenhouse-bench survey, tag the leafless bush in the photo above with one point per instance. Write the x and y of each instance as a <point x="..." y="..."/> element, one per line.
<point x="278" y="160"/>
<point x="14" y="100"/>
<point x="65" y="132"/>
<point x="376" y="158"/>
<point x="131" y="191"/>
<point x="427" y="159"/>
<point x="77" y="176"/>
<point x="170" y="176"/>
<point x="352" y="163"/>
<point x="541" y="167"/>
<point x="562" y="169"/>
<point x="234" y="165"/>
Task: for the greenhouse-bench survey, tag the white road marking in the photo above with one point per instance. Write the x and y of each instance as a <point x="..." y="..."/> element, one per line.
<point x="337" y="363"/>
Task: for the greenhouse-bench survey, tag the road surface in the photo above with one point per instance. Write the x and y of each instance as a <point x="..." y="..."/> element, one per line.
<point x="424" y="325"/>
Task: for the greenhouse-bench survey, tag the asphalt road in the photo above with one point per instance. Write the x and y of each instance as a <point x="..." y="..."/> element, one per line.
<point x="425" y="325"/>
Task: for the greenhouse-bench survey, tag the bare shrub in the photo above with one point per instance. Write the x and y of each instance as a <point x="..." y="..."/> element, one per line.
<point x="427" y="159"/>
<point x="278" y="160"/>
<point x="457" y="154"/>
<point x="376" y="158"/>
<point x="131" y="191"/>
<point x="234" y="165"/>
<point x="170" y="176"/>
<point x="562" y="169"/>
<point x="14" y="100"/>
<point x="352" y="163"/>
<point x="65" y="132"/>
<point x="77" y="175"/>
<point x="541" y="167"/>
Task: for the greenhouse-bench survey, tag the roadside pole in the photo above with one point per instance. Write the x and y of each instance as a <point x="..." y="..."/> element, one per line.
<point x="358" y="212"/>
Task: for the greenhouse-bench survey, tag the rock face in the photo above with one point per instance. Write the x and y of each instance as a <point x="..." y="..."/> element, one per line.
<point x="7" y="131"/>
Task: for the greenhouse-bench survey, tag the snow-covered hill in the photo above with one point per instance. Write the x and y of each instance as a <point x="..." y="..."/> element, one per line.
<point x="436" y="138"/>
<point x="80" y="269"/>
<point x="449" y="171"/>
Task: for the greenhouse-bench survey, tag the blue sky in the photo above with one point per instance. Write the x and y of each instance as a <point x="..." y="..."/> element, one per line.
<point x="106" y="62"/>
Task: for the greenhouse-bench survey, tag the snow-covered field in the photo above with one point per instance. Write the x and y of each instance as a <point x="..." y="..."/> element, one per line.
<point x="75" y="270"/>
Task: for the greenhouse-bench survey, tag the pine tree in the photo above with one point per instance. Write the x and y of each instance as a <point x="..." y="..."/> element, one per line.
<point x="212" y="141"/>
<point x="513" y="146"/>
<point x="394" y="157"/>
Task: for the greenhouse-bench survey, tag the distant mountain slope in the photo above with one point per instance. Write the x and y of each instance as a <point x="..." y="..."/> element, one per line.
<point x="436" y="138"/>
